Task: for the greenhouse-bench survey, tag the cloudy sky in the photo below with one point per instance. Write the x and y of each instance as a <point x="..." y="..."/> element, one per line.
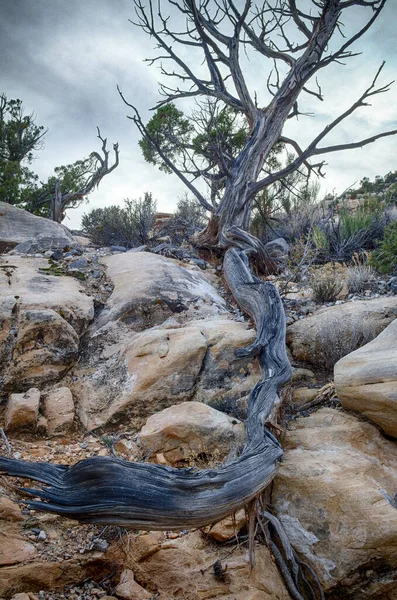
<point x="64" y="59"/>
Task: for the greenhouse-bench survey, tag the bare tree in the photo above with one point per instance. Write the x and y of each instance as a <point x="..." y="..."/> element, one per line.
<point x="148" y="496"/>
<point x="72" y="183"/>
<point x="220" y="33"/>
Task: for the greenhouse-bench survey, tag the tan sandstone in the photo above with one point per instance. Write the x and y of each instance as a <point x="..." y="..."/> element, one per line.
<point x="22" y="410"/>
<point x="129" y="589"/>
<point x="333" y="495"/>
<point x="41" y="318"/>
<point x="366" y="380"/>
<point x="184" y="431"/>
<point x="339" y="329"/>
<point x="59" y="410"/>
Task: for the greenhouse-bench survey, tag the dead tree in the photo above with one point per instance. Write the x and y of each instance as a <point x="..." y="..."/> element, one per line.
<point x="153" y="497"/>
<point x="60" y="199"/>
<point x="216" y="34"/>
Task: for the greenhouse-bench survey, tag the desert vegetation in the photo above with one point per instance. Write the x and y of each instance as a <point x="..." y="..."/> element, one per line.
<point x="152" y="363"/>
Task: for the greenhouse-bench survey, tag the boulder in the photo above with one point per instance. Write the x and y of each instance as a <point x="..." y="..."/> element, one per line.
<point x="22" y="411"/>
<point x="41" y="318"/>
<point x="334" y="496"/>
<point x="227" y="528"/>
<point x="150" y="288"/>
<point x="332" y="332"/>
<point x="14" y="549"/>
<point x="186" y="430"/>
<point x="138" y="374"/>
<point x="304" y="394"/>
<point x="366" y="380"/>
<point x="59" y="410"/>
<point x="129" y="589"/>
<point x="183" y="567"/>
<point x="150" y="371"/>
<point x="124" y="371"/>
<point x="9" y="510"/>
<point x="18" y="226"/>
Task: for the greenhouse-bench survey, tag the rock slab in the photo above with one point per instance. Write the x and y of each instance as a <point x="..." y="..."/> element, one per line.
<point x="18" y="226"/>
<point x="22" y="411"/>
<point x="186" y="430"/>
<point x="335" y="331"/>
<point x="331" y="497"/>
<point x="366" y="380"/>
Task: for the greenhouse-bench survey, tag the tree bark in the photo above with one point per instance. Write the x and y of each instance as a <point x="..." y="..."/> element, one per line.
<point x="152" y="497"/>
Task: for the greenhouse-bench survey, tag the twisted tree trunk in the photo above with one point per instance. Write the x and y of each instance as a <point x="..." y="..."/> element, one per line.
<point x="153" y="497"/>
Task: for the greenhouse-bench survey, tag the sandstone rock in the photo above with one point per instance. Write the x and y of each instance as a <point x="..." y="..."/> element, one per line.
<point x="49" y="574"/>
<point x="9" y="510"/>
<point x="21" y="596"/>
<point x="366" y="380"/>
<point x="329" y="496"/>
<point x="59" y="410"/>
<point x="154" y="370"/>
<point x="149" y="288"/>
<point x="142" y="373"/>
<point x="129" y="589"/>
<point x="299" y="374"/>
<point x="227" y="528"/>
<point x="183" y="568"/>
<point x="184" y="431"/>
<point x="14" y="549"/>
<point x="304" y="394"/>
<point x="22" y="410"/>
<point x="41" y="318"/>
<point x="335" y="331"/>
<point x="17" y="225"/>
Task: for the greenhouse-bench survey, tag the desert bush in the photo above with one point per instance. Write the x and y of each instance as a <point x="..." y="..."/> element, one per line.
<point x="188" y="218"/>
<point x="337" y="342"/>
<point x="300" y="259"/>
<point x="384" y="258"/>
<point x="360" y="278"/>
<point x="325" y="288"/>
<point x="127" y="226"/>
<point x="352" y="233"/>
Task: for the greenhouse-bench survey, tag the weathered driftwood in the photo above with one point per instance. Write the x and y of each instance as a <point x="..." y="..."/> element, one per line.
<point x="152" y="497"/>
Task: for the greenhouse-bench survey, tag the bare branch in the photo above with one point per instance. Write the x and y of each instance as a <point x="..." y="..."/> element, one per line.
<point x="144" y="132"/>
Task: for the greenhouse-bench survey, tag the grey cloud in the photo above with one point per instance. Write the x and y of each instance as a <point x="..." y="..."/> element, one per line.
<point x="64" y="58"/>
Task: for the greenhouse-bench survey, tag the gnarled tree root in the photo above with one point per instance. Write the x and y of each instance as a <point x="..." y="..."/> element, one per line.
<point x="110" y="490"/>
<point x="146" y="496"/>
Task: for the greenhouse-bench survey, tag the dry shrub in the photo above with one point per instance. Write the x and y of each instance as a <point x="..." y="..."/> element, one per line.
<point x="360" y="278"/>
<point x="337" y="342"/>
<point x="326" y="289"/>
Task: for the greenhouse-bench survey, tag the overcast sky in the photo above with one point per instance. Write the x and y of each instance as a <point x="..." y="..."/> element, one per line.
<point x="64" y="58"/>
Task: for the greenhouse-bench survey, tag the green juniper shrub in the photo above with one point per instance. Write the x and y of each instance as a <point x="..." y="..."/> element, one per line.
<point x="127" y="226"/>
<point x="384" y="258"/>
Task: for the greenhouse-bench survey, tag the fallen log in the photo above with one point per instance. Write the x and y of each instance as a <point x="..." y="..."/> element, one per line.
<point x="145" y="496"/>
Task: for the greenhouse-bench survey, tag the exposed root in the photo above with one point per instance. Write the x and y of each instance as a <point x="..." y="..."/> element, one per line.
<point x="300" y="579"/>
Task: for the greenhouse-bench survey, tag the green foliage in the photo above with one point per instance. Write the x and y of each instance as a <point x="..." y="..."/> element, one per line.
<point x="19" y="138"/>
<point x="72" y="178"/>
<point x="128" y="226"/>
<point x="326" y="289"/>
<point x="190" y="213"/>
<point x="170" y="130"/>
<point x="354" y="222"/>
<point x="222" y="130"/>
<point x="380" y="184"/>
<point x="319" y="239"/>
<point x="384" y="258"/>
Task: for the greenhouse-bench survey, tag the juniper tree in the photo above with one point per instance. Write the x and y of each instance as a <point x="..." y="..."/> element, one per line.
<point x="293" y="40"/>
